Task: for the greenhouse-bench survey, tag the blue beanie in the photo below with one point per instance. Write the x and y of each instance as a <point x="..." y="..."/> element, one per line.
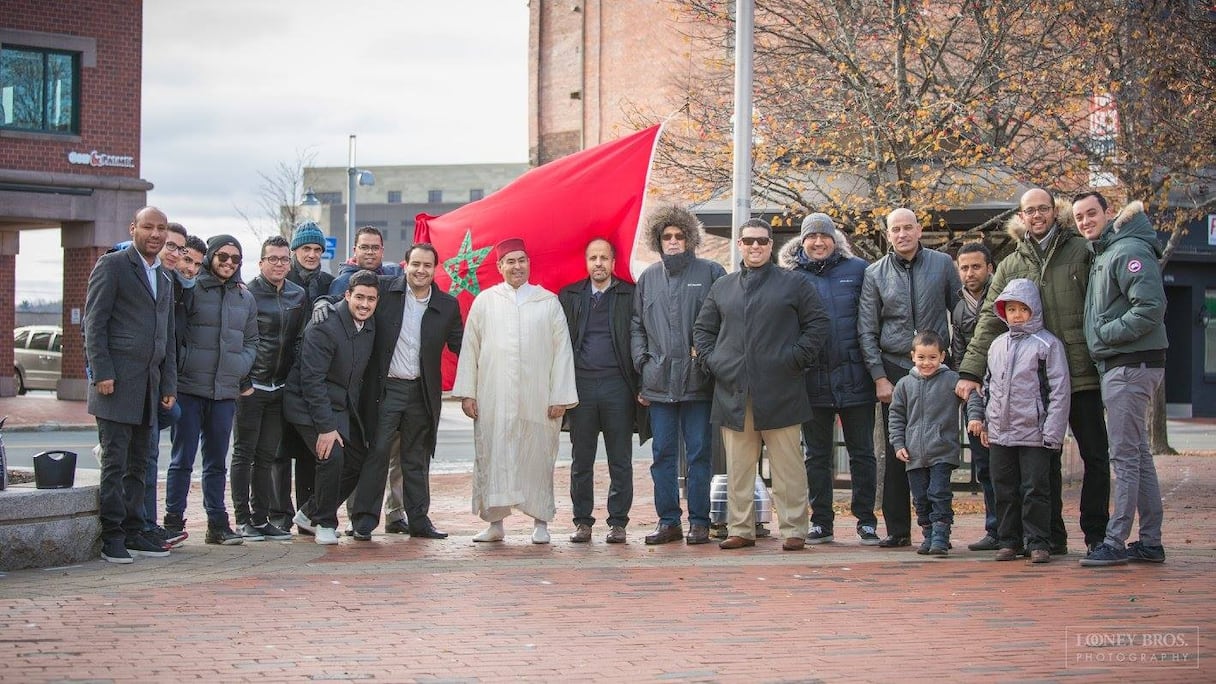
<point x="308" y="233"/>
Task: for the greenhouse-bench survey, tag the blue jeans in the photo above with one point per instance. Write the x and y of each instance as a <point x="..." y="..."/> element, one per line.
<point x="211" y="421"/>
<point x="931" y="495"/>
<point x="668" y="421"/>
<point x="164" y="419"/>
<point x="857" y="427"/>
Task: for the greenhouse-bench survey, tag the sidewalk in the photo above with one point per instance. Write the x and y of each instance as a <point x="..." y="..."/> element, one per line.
<point x="400" y="609"/>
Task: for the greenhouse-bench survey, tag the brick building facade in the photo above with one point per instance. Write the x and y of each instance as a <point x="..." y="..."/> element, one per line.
<point x="70" y="84"/>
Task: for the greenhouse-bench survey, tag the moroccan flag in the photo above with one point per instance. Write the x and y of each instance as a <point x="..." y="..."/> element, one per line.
<point x="557" y="209"/>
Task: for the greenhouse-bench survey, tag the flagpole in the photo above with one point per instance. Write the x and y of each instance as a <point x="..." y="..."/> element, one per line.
<point x="741" y="194"/>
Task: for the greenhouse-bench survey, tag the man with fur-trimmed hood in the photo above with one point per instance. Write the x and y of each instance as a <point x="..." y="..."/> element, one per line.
<point x="1051" y="253"/>
<point x="667" y="299"/>
<point x="839" y="385"/>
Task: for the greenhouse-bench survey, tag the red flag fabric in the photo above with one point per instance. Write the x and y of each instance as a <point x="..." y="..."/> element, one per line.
<point x="557" y="209"/>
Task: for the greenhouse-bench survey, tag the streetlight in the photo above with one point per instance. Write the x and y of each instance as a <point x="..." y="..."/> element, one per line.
<point x="354" y="177"/>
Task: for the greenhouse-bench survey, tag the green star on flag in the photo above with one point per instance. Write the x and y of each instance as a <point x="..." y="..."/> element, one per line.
<point x="474" y="258"/>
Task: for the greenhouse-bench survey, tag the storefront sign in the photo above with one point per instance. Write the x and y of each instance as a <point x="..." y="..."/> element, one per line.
<point x="98" y="159"/>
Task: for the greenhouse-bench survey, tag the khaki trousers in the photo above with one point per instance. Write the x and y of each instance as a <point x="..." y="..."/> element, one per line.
<point x="789" y="478"/>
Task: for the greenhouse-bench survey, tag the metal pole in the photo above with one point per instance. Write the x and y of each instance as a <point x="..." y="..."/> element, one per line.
<point x="741" y="193"/>
<point x="352" y="177"/>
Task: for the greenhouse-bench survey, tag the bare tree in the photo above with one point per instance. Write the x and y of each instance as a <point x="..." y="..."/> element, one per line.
<point x="279" y="195"/>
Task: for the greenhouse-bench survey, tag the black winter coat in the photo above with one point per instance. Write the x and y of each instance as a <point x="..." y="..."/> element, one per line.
<point x="282" y="314"/>
<point x="441" y="327"/>
<point x="758" y="331"/>
<point x="323" y="388"/>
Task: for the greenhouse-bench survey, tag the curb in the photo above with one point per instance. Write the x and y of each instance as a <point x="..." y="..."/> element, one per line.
<point x="50" y="427"/>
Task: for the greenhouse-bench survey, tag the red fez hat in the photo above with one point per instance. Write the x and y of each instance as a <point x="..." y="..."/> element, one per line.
<point x="507" y="246"/>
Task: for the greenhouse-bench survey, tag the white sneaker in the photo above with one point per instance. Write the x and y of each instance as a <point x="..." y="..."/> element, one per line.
<point x="493" y="533"/>
<point x="540" y="532"/>
<point x="327" y="536"/>
<point x="303" y="522"/>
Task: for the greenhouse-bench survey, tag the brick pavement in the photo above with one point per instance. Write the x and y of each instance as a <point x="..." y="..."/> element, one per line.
<point x="400" y="609"/>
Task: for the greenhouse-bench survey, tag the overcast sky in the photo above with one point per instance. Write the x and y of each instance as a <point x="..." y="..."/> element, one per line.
<point x="231" y="88"/>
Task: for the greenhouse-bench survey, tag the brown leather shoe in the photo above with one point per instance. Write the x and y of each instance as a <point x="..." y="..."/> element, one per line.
<point x="616" y="535"/>
<point x="736" y="543"/>
<point x="664" y="534"/>
<point x="582" y="534"/>
<point x="793" y="544"/>
<point x="1040" y="556"/>
<point x="1007" y="554"/>
<point x="697" y="534"/>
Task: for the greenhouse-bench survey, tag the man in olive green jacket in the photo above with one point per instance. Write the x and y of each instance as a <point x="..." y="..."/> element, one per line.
<point x="1056" y="257"/>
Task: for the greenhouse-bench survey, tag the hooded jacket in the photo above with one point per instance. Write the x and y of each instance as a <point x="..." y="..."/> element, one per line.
<point x="667" y="298"/>
<point x="1125" y="306"/>
<point x="839" y="378"/>
<point x="1062" y="275"/>
<point x="924" y="418"/>
<point x="1027" y="383"/>
<point x="221" y="333"/>
<point x="900" y="297"/>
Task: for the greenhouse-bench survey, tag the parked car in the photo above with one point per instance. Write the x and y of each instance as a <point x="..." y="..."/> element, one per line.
<point x="37" y="357"/>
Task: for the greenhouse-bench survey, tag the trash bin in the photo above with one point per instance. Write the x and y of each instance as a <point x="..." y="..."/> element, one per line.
<point x="718" y="491"/>
<point x="55" y="469"/>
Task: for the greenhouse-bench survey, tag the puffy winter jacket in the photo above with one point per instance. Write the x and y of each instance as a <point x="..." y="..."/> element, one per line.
<point x="1027" y="384"/>
<point x="839" y="378"/>
<point x="900" y="298"/>
<point x="667" y="298"/>
<point x="1125" y="307"/>
<point x="221" y="338"/>
<point x="1062" y="275"/>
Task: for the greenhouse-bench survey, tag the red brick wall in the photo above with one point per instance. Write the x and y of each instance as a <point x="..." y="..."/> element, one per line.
<point x="109" y="106"/>
<point x="77" y="264"/>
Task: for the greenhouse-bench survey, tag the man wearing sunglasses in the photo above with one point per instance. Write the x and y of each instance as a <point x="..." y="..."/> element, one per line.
<point x="667" y="299"/>
<point x="221" y="343"/>
<point x="760" y="329"/>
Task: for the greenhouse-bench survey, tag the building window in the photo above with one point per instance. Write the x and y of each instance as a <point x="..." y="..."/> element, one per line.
<point x="394" y="197"/>
<point x="434" y="196"/>
<point x="39" y="90"/>
<point x="476" y="194"/>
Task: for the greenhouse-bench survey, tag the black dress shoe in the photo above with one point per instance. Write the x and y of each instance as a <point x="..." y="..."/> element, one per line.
<point x="427" y="532"/>
<point x="362" y="535"/>
<point x="397" y="527"/>
<point x="891" y="542"/>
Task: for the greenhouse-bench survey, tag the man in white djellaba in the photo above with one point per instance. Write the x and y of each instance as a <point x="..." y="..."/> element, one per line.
<point x="515" y="379"/>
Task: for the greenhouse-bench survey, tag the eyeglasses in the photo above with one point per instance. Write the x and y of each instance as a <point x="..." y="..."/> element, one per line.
<point x="1043" y="209"/>
<point x="277" y="261"/>
<point x="172" y="247"/>
<point x="749" y="241"/>
<point x="671" y="237"/>
<point x="369" y="248"/>
<point x="225" y="257"/>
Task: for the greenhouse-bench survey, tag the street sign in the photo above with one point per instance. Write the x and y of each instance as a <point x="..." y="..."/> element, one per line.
<point x="331" y="247"/>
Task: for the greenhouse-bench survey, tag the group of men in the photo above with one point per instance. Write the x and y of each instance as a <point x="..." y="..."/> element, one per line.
<point x="174" y="337"/>
<point x="773" y="353"/>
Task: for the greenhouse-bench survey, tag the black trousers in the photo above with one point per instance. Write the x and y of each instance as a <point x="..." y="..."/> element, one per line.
<point x="605" y="406"/>
<point x="403" y="414"/>
<point x="124" y="458"/>
<point x="1088" y="424"/>
<point x="336" y="477"/>
<point x="1020" y="482"/>
<point x="258" y="431"/>
<point x="896" y="499"/>
<point x="293" y="454"/>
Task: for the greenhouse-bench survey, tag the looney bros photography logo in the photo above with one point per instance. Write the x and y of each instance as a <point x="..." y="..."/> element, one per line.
<point x="1132" y="647"/>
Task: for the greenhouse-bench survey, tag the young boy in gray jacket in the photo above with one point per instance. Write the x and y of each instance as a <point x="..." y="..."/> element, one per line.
<point x="1028" y="397"/>
<point x="923" y="428"/>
